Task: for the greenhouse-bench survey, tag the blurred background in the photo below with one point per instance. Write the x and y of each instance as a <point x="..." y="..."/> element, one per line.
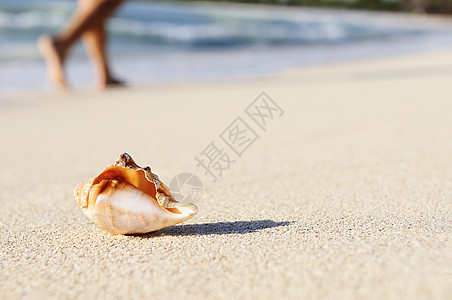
<point x="161" y="42"/>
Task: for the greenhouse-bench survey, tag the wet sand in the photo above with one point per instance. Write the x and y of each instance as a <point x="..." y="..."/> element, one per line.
<point x="346" y="193"/>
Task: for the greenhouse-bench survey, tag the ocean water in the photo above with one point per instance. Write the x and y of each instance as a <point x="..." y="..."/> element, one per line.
<point x="154" y="42"/>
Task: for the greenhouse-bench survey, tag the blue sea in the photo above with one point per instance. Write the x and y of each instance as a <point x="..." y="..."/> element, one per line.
<point x="160" y="42"/>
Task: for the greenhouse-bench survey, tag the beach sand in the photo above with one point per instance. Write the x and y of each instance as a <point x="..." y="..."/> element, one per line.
<point x="346" y="195"/>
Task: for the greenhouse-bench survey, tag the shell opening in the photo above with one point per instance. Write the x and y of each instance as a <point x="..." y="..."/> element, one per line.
<point x="138" y="179"/>
<point x="135" y="178"/>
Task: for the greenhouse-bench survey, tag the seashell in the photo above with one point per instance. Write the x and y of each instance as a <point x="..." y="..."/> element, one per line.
<point x="128" y="199"/>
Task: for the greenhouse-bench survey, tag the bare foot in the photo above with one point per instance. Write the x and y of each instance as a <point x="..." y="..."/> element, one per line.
<point x="54" y="58"/>
<point x="111" y="83"/>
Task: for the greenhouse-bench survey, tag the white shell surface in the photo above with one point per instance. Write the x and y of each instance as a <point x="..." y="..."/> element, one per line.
<point x="129" y="210"/>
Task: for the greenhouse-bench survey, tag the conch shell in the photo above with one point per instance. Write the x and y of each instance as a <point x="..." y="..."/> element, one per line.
<point x="128" y="199"/>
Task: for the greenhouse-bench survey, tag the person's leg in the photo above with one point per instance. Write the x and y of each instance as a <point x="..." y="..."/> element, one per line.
<point x="95" y="43"/>
<point x="54" y="59"/>
<point x="54" y="50"/>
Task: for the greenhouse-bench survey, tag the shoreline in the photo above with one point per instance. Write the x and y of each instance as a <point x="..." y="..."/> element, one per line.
<point x="147" y="65"/>
<point x="8" y="97"/>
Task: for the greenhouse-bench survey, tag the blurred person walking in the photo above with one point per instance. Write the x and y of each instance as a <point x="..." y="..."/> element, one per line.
<point x="87" y="23"/>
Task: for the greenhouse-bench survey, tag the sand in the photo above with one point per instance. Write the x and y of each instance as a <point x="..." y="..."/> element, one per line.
<point x="346" y="195"/>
